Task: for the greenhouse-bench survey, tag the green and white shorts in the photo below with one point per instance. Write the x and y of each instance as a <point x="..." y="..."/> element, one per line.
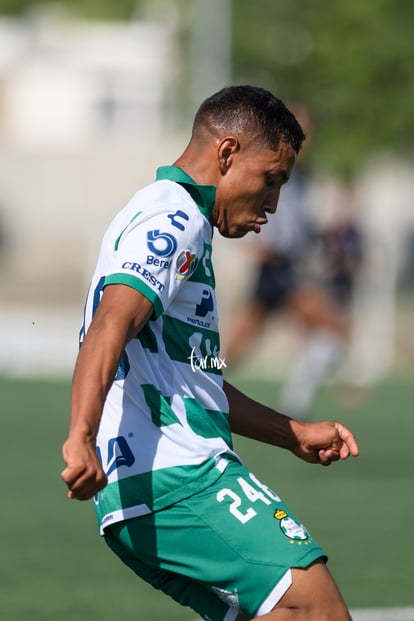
<point x="225" y="550"/>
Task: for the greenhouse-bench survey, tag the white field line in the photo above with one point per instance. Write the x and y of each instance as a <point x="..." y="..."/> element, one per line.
<point x="378" y="614"/>
<point x="383" y="614"/>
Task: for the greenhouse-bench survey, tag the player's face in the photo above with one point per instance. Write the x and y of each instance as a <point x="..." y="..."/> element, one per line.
<point x="249" y="189"/>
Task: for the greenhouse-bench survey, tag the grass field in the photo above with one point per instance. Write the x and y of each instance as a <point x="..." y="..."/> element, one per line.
<point x="55" y="566"/>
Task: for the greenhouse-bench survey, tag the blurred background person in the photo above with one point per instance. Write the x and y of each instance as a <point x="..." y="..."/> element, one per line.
<point x="307" y="269"/>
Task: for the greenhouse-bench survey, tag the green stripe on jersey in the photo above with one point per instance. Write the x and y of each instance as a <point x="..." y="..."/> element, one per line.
<point x="139" y="285"/>
<point x="162" y="413"/>
<point x="207" y="423"/>
<point x="156" y="489"/>
<point x="204" y="272"/>
<point x="148" y="339"/>
<point x="118" y="239"/>
<point x="198" y="347"/>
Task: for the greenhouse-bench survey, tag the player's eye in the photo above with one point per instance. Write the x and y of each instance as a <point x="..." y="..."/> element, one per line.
<point x="270" y="181"/>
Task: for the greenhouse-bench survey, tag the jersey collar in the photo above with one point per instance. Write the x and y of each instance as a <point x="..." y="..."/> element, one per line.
<point x="203" y="195"/>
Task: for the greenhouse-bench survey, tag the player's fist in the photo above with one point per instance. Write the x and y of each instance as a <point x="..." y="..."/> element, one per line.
<point x="323" y="442"/>
<point x="83" y="475"/>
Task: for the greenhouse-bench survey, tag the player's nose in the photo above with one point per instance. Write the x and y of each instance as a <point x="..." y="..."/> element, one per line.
<point x="271" y="202"/>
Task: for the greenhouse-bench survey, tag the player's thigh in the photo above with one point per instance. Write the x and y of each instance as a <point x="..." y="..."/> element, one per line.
<point x="182" y="589"/>
<point x="313" y="596"/>
<point x="315" y="593"/>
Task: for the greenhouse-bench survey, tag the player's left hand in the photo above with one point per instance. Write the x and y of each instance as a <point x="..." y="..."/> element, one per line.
<point x="323" y="442"/>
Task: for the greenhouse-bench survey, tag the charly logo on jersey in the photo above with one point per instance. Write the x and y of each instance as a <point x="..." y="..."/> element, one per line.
<point x="186" y="264"/>
<point x="118" y="454"/>
<point x="290" y="528"/>
<point x="178" y="218"/>
<point x="161" y="244"/>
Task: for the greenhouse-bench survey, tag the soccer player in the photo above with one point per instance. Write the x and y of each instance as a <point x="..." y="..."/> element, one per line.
<point x="152" y="418"/>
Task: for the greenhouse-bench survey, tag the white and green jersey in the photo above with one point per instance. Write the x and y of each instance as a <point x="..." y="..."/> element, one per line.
<point x="164" y="432"/>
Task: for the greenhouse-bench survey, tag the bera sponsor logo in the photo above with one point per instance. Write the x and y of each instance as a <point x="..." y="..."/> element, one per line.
<point x="186" y="264"/>
<point x="163" y="263"/>
<point x="161" y="244"/>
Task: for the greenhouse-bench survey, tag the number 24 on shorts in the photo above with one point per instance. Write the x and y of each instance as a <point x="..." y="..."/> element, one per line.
<point x="264" y="494"/>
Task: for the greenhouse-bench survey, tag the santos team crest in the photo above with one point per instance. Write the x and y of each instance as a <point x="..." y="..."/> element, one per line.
<point x="289" y="527"/>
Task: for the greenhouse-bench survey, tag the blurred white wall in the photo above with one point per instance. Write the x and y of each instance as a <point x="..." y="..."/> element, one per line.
<point x="66" y="83"/>
<point x="87" y="113"/>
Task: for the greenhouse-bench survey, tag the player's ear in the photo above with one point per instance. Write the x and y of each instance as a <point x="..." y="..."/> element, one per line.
<point x="226" y="149"/>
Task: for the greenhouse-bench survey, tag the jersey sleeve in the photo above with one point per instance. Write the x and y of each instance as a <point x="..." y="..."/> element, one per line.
<point x="155" y="253"/>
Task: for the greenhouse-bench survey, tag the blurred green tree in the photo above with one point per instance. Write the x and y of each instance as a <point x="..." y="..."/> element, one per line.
<point x="351" y="61"/>
<point x="108" y="9"/>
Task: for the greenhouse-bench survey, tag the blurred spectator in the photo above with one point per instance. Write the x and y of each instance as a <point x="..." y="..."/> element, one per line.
<point x="308" y="272"/>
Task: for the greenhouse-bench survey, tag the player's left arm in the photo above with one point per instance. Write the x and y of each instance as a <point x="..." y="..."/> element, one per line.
<point x="319" y="442"/>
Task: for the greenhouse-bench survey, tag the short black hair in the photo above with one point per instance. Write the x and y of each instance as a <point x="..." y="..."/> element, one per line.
<point x="253" y="111"/>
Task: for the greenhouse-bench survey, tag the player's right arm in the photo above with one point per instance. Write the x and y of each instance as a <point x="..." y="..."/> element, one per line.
<point x="121" y="314"/>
